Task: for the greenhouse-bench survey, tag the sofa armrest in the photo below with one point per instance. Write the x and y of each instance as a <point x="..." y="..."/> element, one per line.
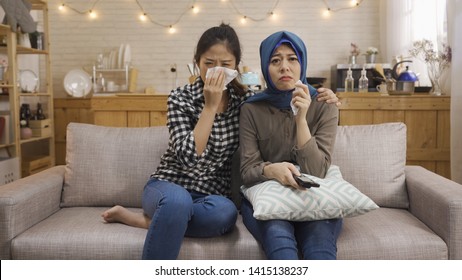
<point x="27" y="201"/>
<point x="437" y="202"/>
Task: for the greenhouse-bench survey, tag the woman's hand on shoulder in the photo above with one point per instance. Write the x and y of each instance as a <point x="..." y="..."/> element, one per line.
<point x="327" y="95"/>
<point x="283" y="173"/>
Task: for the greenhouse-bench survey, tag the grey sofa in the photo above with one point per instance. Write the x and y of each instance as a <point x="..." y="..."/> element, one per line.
<point x="55" y="214"/>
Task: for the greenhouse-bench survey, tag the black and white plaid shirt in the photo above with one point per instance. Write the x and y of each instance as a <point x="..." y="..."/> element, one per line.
<point x="210" y="172"/>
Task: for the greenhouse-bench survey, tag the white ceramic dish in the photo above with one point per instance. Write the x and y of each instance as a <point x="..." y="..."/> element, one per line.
<point x="120" y="61"/>
<point x="111" y="60"/>
<point x="28" y="81"/>
<point x="127" y="55"/>
<point x="115" y="60"/>
<point x="77" y="83"/>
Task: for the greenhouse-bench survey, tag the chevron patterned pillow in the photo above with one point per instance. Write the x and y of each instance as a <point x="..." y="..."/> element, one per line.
<point x="335" y="198"/>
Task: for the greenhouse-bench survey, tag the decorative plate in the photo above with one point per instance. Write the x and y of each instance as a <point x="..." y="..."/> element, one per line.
<point x="127" y="55"/>
<point x="120" y="62"/>
<point x="28" y="81"/>
<point x="77" y="83"/>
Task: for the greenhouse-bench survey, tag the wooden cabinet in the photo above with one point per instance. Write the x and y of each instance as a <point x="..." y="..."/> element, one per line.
<point x="32" y="86"/>
<point x="427" y="119"/>
<point x="130" y="110"/>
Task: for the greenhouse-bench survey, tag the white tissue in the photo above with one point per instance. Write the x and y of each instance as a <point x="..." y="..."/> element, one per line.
<point x="230" y="74"/>
<point x="295" y="109"/>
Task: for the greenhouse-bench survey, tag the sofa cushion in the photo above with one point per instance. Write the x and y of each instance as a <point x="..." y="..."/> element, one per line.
<point x="372" y="158"/>
<point x="389" y="234"/>
<point x="79" y="233"/>
<point x="106" y="166"/>
<point x="335" y="198"/>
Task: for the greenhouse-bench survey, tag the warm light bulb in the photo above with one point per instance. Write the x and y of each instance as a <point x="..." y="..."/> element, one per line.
<point x="62" y="7"/>
<point x="326" y="13"/>
<point x="354" y="3"/>
<point x="195" y="9"/>
<point x="273" y="15"/>
<point x="171" y="29"/>
<point x="244" y="19"/>
<point x="143" y="17"/>
<point x="92" y="14"/>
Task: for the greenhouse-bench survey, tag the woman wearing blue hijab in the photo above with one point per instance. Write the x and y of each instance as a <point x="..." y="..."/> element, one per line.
<point x="285" y="131"/>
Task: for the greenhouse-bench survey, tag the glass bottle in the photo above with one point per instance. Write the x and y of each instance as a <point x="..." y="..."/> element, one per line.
<point x="25" y="115"/>
<point x="363" y="81"/>
<point x="39" y="115"/>
<point x="349" y="81"/>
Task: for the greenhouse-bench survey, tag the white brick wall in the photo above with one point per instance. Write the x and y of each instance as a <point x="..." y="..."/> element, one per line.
<point x="76" y="40"/>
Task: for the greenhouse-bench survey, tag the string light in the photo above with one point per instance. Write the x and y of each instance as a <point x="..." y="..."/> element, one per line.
<point x="171" y="29"/>
<point x="244" y="17"/>
<point x="92" y="14"/>
<point x="273" y="15"/>
<point x="144" y="16"/>
<point x="195" y="9"/>
<point x="329" y="9"/>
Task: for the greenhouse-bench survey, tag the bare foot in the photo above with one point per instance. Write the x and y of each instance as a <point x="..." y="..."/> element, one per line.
<point x="119" y="214"/>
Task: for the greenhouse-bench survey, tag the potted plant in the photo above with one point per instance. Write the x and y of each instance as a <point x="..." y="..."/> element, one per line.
<point x="437" y="61"/>
<point x="371" y="54"/>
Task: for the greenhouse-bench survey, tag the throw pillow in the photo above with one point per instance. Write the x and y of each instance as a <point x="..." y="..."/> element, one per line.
<point x="335" y="198"/>
<point x="106" y="166"/>
<point x="372" y="158"/>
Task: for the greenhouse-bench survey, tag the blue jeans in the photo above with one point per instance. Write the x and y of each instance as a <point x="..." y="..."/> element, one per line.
<point x="286" y="240"/>
<point x="176" y="212"/>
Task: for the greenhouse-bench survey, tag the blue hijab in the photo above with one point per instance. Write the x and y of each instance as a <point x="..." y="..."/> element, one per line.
<point x="280" y="98"/>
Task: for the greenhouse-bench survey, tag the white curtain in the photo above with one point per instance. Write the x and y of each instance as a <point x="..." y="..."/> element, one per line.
<point x="455" y="40"/>
<point x="405" y="21"/>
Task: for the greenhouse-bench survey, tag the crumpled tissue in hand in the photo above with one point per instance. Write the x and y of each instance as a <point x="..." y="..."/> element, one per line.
<point x="230" y="74"/>
<point x="294" y="108"/>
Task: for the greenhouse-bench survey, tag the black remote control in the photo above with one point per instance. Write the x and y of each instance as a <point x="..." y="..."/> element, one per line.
<point x="305" y="181"/>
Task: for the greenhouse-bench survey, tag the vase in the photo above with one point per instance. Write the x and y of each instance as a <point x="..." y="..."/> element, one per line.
<point x="352" y="59"/>
<point x="26" y="132"/>
<point x="370" y="58"/>
<point x="434" y="75"/>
